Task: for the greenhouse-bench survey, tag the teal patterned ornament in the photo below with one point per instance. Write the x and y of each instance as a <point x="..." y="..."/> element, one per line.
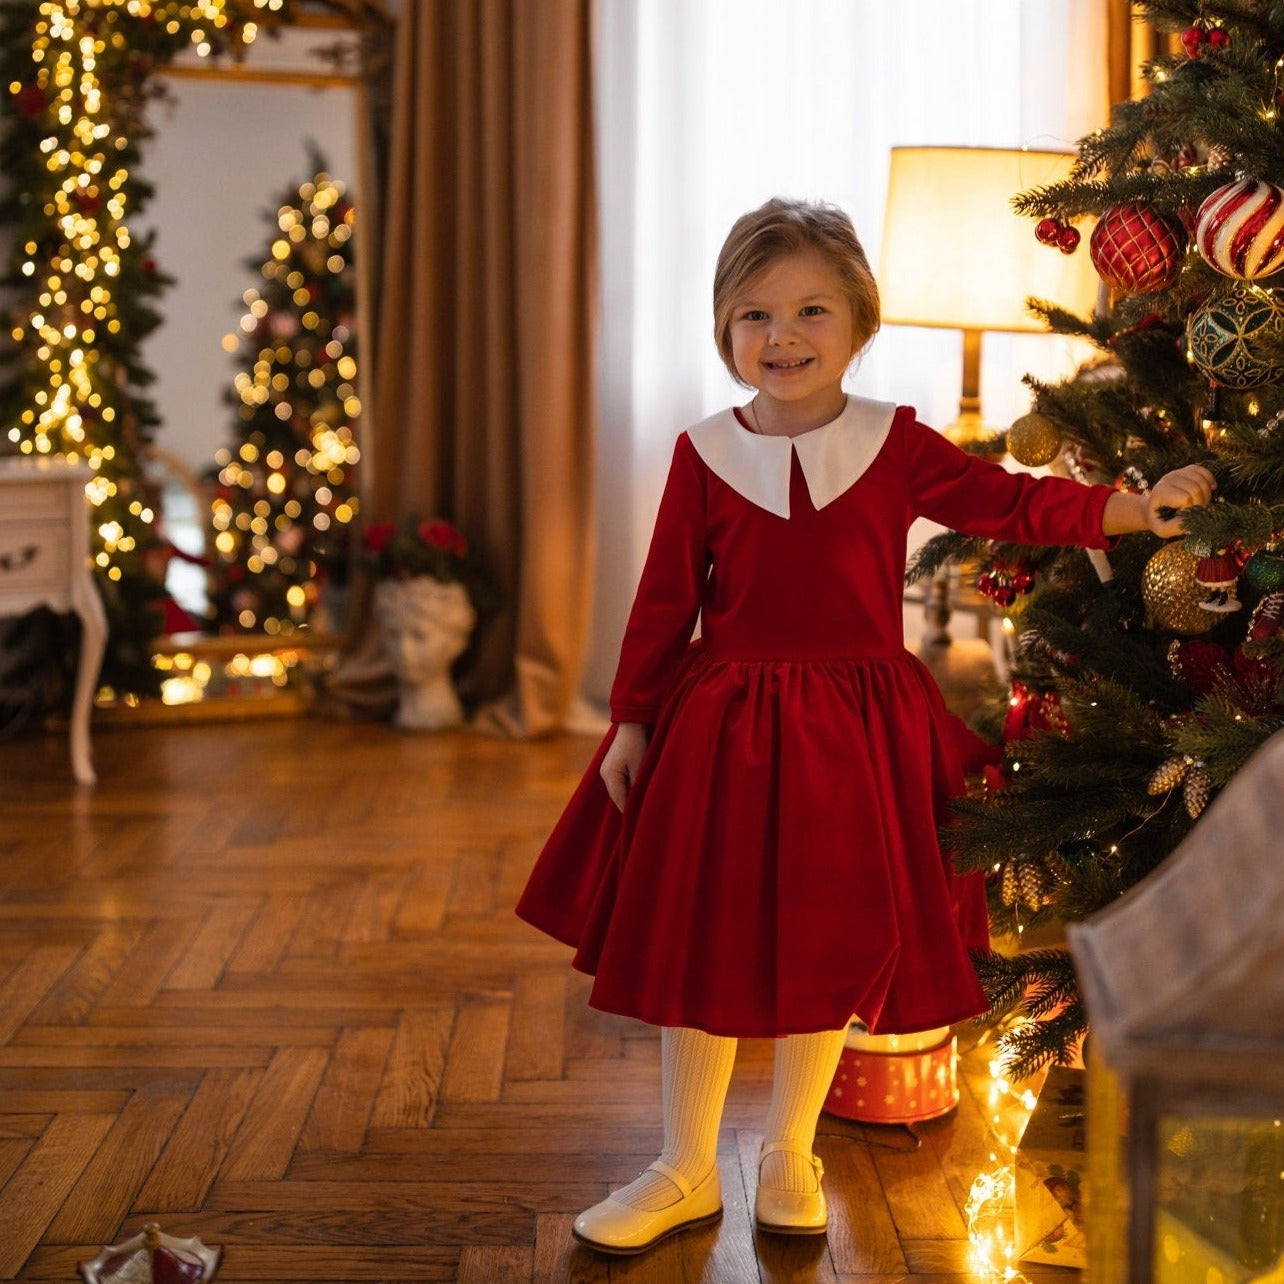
<point x="1263" y="573"/>
<point x="1230" y="338"/>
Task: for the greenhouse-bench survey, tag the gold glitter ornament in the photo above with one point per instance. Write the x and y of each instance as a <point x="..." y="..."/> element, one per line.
<point x="1034" y="439"/>
<point x="1172" y="594"/>
<point x="1196" y="790"/>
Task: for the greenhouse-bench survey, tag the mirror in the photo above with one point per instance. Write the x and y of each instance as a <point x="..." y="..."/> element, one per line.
<point x="229" y="141"/>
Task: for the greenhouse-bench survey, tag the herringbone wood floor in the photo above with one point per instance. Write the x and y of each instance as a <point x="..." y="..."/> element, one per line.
<point x="264" y="986"/>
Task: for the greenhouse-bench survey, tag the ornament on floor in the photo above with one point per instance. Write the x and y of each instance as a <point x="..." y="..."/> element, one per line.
<point x="1218" y="571"/>
<point x="1034" y="440"/>
<point x="1231" y="339"/>
<point x="152" y="1257"/>
<point x="1136" y="248"/>
<point x="1052" y="231"/>
<point x="1172" y="595"/>
<point x="1239" y="229"/>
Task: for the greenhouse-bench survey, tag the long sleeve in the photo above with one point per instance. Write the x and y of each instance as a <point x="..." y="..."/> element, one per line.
<point x="668" y="597"/>
<point x="981" y="498"/>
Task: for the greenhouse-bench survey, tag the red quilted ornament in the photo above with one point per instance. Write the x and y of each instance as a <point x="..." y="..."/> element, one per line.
<point x="1239" y="229"/>
<point x="1136" y="248"/>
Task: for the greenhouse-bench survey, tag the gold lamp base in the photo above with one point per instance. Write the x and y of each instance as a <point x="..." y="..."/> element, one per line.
<point x="968" y="431"/>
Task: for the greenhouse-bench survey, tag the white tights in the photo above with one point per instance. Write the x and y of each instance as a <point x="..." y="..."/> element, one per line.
<point x="696" y="1071"/>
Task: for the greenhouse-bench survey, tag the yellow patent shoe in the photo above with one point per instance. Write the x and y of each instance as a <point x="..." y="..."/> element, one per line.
<point x="612" y="1227"/>
<point x="790" y="1212"/>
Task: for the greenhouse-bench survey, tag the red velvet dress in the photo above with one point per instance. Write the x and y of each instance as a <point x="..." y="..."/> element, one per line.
<point x="777" y="869"/>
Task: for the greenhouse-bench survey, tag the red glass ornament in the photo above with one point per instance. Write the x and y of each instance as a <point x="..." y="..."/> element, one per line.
<point x="1068" y="240"/>
<point x="986" y="585"/>
<point x="1192" y="38"/>
<point x="1136" y="248"/>
<point x="1218" y="38"/>
<point x="1023" y="581"/>
<point x="1047" y="230"/>
<point x="1004" y="595"/>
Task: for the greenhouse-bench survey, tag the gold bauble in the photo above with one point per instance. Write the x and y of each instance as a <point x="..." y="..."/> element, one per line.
<point x="1034" y="439"/>
<point x="1171" y="593"/>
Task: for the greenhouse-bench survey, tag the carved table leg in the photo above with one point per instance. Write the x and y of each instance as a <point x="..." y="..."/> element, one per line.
<point x="93" y="642"/>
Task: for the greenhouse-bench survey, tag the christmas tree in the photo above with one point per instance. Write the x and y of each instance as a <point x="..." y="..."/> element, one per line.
<point x="1142" y="679"/>
<point x="81" y="288"/>
<point x="285" y="496"/>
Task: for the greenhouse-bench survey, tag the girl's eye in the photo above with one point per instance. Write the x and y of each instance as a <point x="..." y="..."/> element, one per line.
<point x="813" y="310"/>
<point x="753" y="314"/>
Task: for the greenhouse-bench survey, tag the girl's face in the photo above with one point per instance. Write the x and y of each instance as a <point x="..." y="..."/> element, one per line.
<point x="791" y="331"/>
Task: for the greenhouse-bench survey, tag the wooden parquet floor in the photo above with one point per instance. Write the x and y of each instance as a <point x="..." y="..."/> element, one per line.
<point x="263" y="985"/>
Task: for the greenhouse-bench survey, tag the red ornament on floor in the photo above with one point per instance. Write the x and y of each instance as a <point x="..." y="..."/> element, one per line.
<point x="151" y="1257"/>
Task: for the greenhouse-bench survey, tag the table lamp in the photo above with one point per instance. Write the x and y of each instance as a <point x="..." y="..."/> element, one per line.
<point x="956" y="255"/>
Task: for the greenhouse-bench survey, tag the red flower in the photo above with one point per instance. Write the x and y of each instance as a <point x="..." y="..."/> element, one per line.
<point x="378" y="536"/>
<point x="443" y="536"/>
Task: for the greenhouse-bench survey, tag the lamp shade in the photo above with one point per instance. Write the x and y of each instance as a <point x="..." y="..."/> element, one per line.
<point x="956" y="255"/>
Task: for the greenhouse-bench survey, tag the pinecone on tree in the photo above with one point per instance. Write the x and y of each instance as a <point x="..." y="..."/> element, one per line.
<point x="1168" y="775"/>
<point x="1035" y="882"/>
<point x="1196" y="790"/>
<point x="1008" y="889"/>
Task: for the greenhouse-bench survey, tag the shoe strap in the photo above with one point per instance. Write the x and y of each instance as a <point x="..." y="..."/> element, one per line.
<point x="677" y="1178"/>
<point x="791" y="1148"/>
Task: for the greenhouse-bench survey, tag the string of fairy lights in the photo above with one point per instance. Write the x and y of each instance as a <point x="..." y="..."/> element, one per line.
<point x="992" y="1246"/>
<point x="76" y="395"/>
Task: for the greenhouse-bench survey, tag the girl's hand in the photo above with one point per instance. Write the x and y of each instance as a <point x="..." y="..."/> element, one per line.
<point x="1188" y="487"/>
<point x="624" y="757"/>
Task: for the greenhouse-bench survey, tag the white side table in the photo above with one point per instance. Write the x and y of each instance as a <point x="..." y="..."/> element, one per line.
<point x="44" y="561"/>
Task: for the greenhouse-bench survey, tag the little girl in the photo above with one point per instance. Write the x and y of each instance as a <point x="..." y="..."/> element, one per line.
<point x="753" y="851"/>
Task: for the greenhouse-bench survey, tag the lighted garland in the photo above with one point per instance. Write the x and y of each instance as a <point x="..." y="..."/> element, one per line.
<point x="286" y="491"/>
<point x="992" y="1248"/>
<point x="79" y="74"/>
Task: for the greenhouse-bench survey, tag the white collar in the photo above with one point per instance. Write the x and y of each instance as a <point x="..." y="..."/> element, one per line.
<point x="833" y="456"/>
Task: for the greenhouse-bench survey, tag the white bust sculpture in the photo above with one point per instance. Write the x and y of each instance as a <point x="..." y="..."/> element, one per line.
<point x="426" y="625"/>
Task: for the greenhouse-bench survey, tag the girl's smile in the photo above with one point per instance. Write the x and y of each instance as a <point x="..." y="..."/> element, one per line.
<point x="792" y="339"/>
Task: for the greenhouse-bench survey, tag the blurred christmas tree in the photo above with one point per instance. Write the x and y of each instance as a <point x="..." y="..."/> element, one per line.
<point x="1144" y="678"/>
<point x="81" y="288"/>
<point x="285" y="500"/>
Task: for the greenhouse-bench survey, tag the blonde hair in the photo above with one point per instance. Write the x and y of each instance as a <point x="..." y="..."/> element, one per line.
<point x="782" y="227"/>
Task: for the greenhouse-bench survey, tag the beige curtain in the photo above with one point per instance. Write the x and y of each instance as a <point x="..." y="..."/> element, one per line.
<point x="1133" y="42"/>
<point x="483" y="386"/>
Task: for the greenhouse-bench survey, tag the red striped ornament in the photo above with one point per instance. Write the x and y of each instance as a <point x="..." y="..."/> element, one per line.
<point x="1239" y="229"/>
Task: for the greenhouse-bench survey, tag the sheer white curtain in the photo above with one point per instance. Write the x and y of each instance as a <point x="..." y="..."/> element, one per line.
<point x="708" y="107"/>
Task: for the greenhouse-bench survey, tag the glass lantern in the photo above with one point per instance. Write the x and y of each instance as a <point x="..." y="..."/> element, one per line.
<point x="1183" y="979"/>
